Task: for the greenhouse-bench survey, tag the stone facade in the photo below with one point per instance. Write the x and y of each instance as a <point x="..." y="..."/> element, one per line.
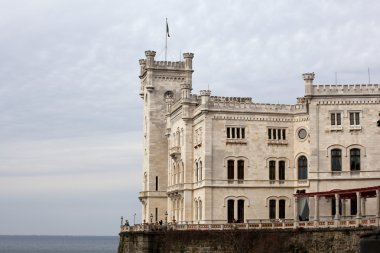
<point x="210" y="159"/>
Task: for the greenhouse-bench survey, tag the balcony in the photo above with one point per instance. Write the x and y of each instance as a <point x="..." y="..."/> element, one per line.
<point x="175" y="152"/>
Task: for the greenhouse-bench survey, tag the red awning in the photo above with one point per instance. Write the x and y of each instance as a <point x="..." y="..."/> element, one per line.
<point x="368" y="192"/>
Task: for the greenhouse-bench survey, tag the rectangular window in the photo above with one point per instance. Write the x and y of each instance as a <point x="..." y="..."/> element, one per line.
<point x="156" y="183"/>
<point x="156" y="214"/>
<point x="332" y="119"/>
<point x="276" y="134"/>
<point x="272" y="170"/>
<point x="336" y="119"/>
<point x="235" y="133"/>
<point x="354" y="118"/>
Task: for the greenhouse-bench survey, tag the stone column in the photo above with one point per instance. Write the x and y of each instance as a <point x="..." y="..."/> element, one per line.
<point x="358" y="205"/>
<point x="343" y="207"/>
<point x="337" y="201"/>
<point x="378" y="207"/>
<point x="316" y="210"/>
<point x="363" y="206"/>
<point x="295" y="211"/>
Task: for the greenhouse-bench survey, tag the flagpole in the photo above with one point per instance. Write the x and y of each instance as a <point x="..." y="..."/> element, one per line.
<point x="166" y="38"/>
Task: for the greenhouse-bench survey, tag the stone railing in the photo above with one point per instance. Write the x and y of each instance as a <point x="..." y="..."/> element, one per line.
<point x="258" y="224"/>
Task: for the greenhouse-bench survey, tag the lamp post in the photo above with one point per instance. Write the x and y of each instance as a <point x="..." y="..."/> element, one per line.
<point x="121" y="221"/>
<point x="151" y="218"/>
<point x="134" y="219"/>
<point x="166" y="217"/>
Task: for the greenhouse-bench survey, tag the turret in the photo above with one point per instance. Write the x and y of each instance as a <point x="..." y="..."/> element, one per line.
<point x="308" y="78"/>
<point x="205" y="97"/>
<point x="189" y="67"/>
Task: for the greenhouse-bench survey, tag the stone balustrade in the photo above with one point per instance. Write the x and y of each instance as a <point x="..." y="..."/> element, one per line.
<point x="259" y="224"/>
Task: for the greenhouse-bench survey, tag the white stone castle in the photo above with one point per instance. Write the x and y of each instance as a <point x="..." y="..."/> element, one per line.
<point x="217" y="160"/>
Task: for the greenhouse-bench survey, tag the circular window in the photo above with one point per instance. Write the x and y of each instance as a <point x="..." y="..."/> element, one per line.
<point x="302" y="133"/>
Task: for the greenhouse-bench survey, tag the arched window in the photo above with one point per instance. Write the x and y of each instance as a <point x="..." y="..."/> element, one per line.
<point x="230" y="210"/>
<point x="281" y="206"/>
<point x="281" y="170"/>
<point x="272" y="170"/>
<point x="336" y="160"/>
<point x="355" y="159"/>
<point x="302" y="168"/>
<point x="200" y="171"/>
<point x="230" y="169"/>
<point x="196" y="211"/>
<point x="272" y="209"/>
<point x="196" y="171"/>
<point x="240" y="211"/>
<point x="240" y="171"/>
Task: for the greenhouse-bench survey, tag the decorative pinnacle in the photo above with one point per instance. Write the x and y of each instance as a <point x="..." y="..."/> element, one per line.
<point x="205" y="92"/>
<point x="142" y="61"/>
<point x="188" y="55"/>
<point x="150" y="53"/>
<point x="308" y="76"/>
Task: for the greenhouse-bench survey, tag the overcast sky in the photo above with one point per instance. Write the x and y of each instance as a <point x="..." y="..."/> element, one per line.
<point x="70" y="113"/>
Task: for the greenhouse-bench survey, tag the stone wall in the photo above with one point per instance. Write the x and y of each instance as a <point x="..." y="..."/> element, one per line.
<point x="231" y="241"/>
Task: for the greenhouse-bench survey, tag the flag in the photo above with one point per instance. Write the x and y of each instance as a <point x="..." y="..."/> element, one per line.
<point x="167" y="28"/>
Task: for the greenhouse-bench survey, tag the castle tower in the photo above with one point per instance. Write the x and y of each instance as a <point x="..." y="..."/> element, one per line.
<point x="160" y="86"/>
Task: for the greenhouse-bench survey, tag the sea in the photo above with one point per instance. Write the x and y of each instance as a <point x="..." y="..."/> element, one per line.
<point x="58" y="244"/>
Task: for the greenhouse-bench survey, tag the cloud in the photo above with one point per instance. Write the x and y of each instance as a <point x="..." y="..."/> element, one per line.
<point x="70" y="113"/>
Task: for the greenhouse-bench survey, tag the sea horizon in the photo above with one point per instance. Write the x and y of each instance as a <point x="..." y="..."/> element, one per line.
<point x="58" y="243"/>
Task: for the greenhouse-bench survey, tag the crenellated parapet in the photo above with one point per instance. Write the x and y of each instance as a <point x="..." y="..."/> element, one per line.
<point x="231" y="99"/>
<point x="258" y="107"/>
<point x="347" y="89"/>
<point x="149" y="62"/>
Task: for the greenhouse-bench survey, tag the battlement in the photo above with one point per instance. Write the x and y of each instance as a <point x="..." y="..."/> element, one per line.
<point x="347" y="89"/>
<point x="231" y="99"/>
<point x="170" y="64"/>
<point x="258" y="107"/>
<point x="150" y="62"/>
